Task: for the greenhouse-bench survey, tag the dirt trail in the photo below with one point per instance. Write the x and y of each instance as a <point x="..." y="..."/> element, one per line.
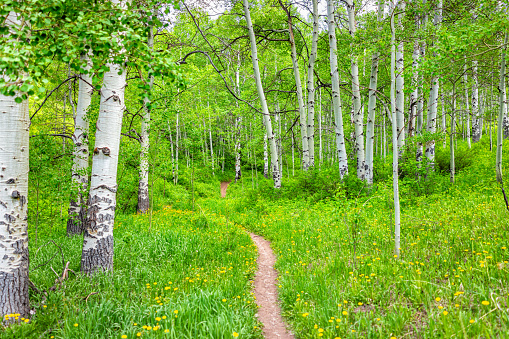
<point x="269" y="312"/>
<point x="224" y="186"/>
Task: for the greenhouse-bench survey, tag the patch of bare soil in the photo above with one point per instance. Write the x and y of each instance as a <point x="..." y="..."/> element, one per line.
<point x="269" y="312"/>
<point x="224" y="187"/>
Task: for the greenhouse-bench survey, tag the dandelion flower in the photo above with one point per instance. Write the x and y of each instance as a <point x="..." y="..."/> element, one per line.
<point x="235" y="334"/>
<point x="485" y="302"/>
<point x="76" y="325"/>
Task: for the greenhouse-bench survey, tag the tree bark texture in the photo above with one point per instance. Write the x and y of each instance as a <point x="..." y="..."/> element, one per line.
<point x="302" y="110"/>
<point x="502" y="113"/>
<point x="476" y="121"/>
<point x="311" y="86"/>
<point x="370" y="127"/>
<point x="336" y="96"/>
<point x="358" y="116"/>
<point x="276" y="175"/>
<point x="143" y="194"/>
<point x="78" y="201"/>
<point x="97" y="254"/>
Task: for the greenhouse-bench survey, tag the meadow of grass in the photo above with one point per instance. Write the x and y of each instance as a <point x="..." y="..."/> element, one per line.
<point x="186" y="271"/>
<point x="339" y="277"/>
<point x="185" y="275"/>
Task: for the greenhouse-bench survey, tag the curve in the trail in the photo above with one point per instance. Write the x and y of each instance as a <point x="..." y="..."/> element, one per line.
<point x="224" y="187"/>
<point x="269" y="312"/>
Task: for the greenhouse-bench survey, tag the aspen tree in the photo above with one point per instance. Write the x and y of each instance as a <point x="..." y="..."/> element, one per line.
<point x="336" y="96"/>
<point x="311" y="86"/>
<point x="476" y="121"/>
<point x="14" y="168"/>
<point x="143" y="195"/>
<point x="276" y="175"/>
<point x="501" y="113"/>
<point x="370" y="127"/>
<point x="298" y="84"/>
<point x="400" y="84"/>
<point x="77" y="206"/>
<point x="97" y="251"/>
<point x="395" y="149"/>
<point x="358" y="116"/>
<point x="433" y="98"/>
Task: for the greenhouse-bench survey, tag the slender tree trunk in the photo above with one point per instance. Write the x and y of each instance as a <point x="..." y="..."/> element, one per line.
<point x="143" y="194"/>
<point x="370" y="128"/>
<point x="302" y="110"/>
<point x="420" y="96"/>
<point x="14" y="168"/>
<point x="400" y="86"/>
<point x="336" y="97"/>
<point x="320" y="127"/>
<point x="476" y="121"/>
<point x="502" y="113"/>
<point x="358" y="115"/>
<point x="276" y="175"/>
<point x="97" y="252"/>
<point x="177" y="147"/>
<point x="77" y="206"/>
<point x="238" y="123"/>
<point x="433" y="99"/>
<point x="467" y="108"/>
<point x="265" y="157"/>
<point x="395" y="149"/>
<point x="451" y="138"/>
<point x="311" y="86"/>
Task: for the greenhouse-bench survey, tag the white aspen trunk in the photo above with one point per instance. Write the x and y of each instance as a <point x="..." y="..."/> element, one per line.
<point x="420" y="97"/>
<point x="143" y="194"/>
<point x="276" y="174"/>
<point x="414" y="97"/>
<point x="467" y="108"/>
<point x="476" y="122"/>
<point x="433" y="99"/>
<point x="265" y="157"/>
<point x="238" y="122"/>
<point x="452" y="164"/>
<point x="311" y="86"/>
<point x="210" y="139"/>
<point x="320" y="150"/>
<point x="400" y="86"/>
<point x="77" y="205"/>
<point x="502" y="113"/>
<point x="238" y="170"/>
<point x="505" y="120"/>
<point x="358" y="117"/>
<point x="395" y="149"/>
<point x="97" y="252"/>
<point x="370" y="127"/>
<point x="336" y="96"/>
<point x="384" y="143"/>
<point x="302" y="110"/>
<point x="14" y="168"/>
<point x="172" y="153"/>
<point x="444" y="121"/>
<point x="177" y="148"/>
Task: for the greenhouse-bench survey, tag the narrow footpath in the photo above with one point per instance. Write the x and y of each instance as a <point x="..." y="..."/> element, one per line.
<point x="269" y="312"/>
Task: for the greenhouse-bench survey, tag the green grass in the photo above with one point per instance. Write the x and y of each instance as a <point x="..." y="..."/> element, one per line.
<point x="339" y="276"/>
<point x="188" y="277"/>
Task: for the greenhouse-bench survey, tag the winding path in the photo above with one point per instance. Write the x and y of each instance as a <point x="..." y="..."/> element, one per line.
<point x="269" y="312"/>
